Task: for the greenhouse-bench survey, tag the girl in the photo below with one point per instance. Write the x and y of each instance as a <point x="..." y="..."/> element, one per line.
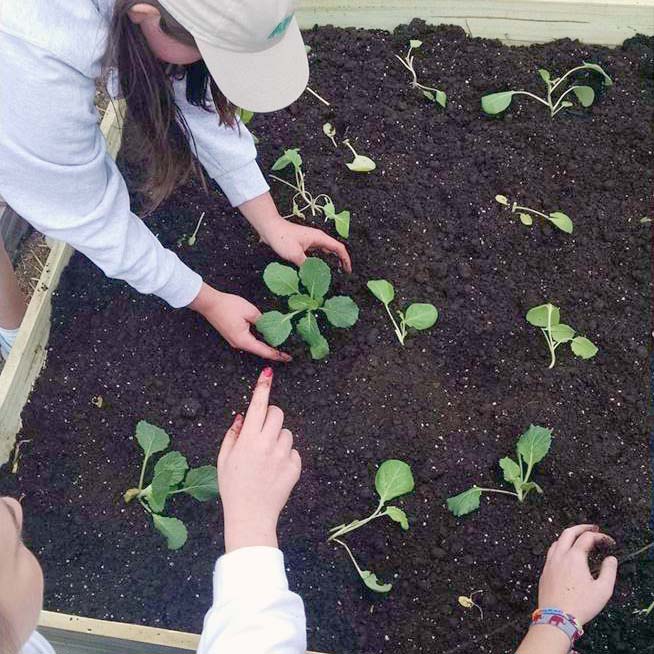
<point x="184" y="67"/>
<point x="253" y="610"/>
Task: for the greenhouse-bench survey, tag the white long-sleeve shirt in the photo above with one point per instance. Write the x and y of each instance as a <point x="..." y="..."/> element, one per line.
<point x="54" y="168"/>
<point x="253" y="610"/>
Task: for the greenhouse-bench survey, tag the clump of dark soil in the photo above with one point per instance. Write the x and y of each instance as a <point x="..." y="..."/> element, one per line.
<point x="451" y="403"/>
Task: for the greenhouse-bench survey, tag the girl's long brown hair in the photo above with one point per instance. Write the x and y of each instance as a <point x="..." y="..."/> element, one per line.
<point x="158" y="131"/>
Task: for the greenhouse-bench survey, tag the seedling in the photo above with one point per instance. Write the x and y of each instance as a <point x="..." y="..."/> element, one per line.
<point x="393" y="479"/>
<point x="495" y="103"/>
<point x="319" y="204"/>
<point x="645" y="611"/>
<point x="547" y="317"/>
<point x="419" y="316"/>
<point x="192" y="239"/>
<point x="318" y="97"/>
<point x="330" y="132"/>
<point x="435" y="95"/>
<point x="359" y="164"/>
<point x="468" y="602"/>
<point x="557" y="218"/>
<point x="171" y="477"/>
<point x="315" y="277"/>
<point x="532" y="447"/>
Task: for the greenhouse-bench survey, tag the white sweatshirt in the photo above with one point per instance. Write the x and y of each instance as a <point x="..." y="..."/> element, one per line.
<point x="253" y="610"/>
<point x="54" y="168"/>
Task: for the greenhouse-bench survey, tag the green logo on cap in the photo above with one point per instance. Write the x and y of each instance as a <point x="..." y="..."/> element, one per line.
<point x="281" y="27"/>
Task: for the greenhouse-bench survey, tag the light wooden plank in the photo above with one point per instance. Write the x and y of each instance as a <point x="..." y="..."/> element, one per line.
<point x="607" y="22"/>
<point x="28" y="353"/>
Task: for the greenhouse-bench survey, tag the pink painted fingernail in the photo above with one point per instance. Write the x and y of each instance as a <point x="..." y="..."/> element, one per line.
<point x="267" y="371"/>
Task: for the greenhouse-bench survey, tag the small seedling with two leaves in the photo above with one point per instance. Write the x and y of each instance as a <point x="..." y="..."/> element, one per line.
<point x="360" y="163"/>
<point x="495" y="103"/>
<point x="468" y="602"/>
<point x="418" y="315"/>
<point x="316" y="278"/>
<point x="435" y="95"/>
<point x="171" y="476"/>
<point x="193" y="238"/>
<point x="557" y="218"/>
<point x="532" y="448"/>
<point x="303" y="200"/>
<point x="393" y="479"/>
<point x="548" y="318"/>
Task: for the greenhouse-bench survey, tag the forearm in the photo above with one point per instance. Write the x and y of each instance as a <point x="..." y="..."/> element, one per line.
<point x="544" y="639"/>
<point x="261" y="212"/>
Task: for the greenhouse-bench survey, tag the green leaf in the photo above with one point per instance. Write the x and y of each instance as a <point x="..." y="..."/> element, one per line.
<point x="173" y="529"/>
<point x="159" y="490"/>
<point x="382" y="290"/>
<point x="394" y="478"/>
<point x="329" y="130"/>
<point x="309" y="331"/>
<point x="495" y="103"/>
<point x="302" y="302"/>
<point x="562" y="333"/>
<point x="502" y="199"/>
<point x="341" y="311"/>
<point x="281" y="280"/>
<point x="563" y="222"/>
<point x="421" y="316"/>
<point x="565" y="104"/>
<point x="370" y="579"/>
<point x="151" y="439"/>
<point x="245" y="115"/>
<point x="465" y="502"/>
<point x="316" y="277"/>
<point x="201" y="483"/>
<point x="429" y="95"/>
<point x="526" y="219"/>
<point x="598" y="69"/>
<point x="342" y="221"/>
<point x="441" y="98"/>
<point x="361" y="164"/>
<point x="530" y="486"/>
<point x="511" y="469"/>
<point x="174" y="463"/>
<point x="544" y="74"/>
<point x="290" y="157"/>
<point x="585" y="95"/>
<point x="415" y="43"/>
<point x="583" y="347"/>
<point x="397" y="515"/>
<point x="544" y="314"/>
<point x="534" y="444"/>
<point x="275" y="327"/>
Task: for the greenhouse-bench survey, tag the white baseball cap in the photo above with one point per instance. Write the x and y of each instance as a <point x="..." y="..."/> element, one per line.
<point x="253" y="48"/>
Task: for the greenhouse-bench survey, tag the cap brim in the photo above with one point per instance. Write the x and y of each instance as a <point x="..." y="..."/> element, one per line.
<point x="261" y="81"/>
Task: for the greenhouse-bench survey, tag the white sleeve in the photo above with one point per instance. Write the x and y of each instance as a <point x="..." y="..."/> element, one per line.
<point x="228" y="154"/>
<point x="56" y="173"/>
<point x="253" y="610"/>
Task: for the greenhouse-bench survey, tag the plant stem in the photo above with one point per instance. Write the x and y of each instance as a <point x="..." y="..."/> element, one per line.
<point x="283" y="181"/>
<point x="496" y="490"/>
<point x="318" y="96"/>
<point x="557" y="107"/>
<point x="197" y="227"/>
<point x="398" y="332"/>
<point x="357" y="523"/>
<point x="142" y="477"/>
<point x="537" y="213"/>
<point x="572" y="70"/>
<point x="354" y="561"/>
<point x="535" y="97"/>
<point x="347" y="142"/>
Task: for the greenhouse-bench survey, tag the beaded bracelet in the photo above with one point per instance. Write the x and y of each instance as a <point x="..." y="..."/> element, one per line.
<point x="567" y="623"/>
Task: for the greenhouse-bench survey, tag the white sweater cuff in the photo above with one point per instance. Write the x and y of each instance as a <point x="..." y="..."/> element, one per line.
<point x="248" y="571"/>
<point x="183" y="286"/>
<point x="243" y="184"/>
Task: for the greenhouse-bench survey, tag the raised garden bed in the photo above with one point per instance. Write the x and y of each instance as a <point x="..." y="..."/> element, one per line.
<point x="451" y="403"/>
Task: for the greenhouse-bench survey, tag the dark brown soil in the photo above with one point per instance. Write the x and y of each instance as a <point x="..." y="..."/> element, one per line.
<point x="451" y="403"/>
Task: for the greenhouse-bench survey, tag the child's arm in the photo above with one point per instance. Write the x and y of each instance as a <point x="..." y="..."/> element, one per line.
<point x="253" y="610"/>
<point x="568" y="586"/>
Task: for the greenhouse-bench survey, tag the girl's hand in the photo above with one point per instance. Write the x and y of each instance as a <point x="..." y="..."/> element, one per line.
<point x="233" y="316"/>
<point x="566" y="582"/>
<point x="257" y="470"/>
<point x="292" y="242"/>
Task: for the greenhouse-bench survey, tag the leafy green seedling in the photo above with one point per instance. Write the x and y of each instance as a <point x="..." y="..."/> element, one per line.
<point x="359" y="164"/>
<point x="316" y="278"/>
<point x="533" y="446"/>
<point x="548" y="318"/>
<point x="435" y="95"/>
<point x="393" y="479"/>
<point x="419" y="316"/>
<point x="495" y="103"/>
<point x="557" y="218"/>
<point x="468" y="602"/>
<point x="330" y="132"/>
<point x="171" y="477"/>
<point x="319" y="204"/>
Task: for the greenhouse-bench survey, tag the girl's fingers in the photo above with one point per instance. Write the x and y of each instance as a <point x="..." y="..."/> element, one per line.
<point x="589" y="540"/>
<point x="328" y="244"/>
<point x="231" y="436"/>
<point x="274" y="421"/>
<point x="285" y="441"/>
<point x="256" y="413"/>
<point x="249" y="343"/>
<point x="607" y="575"/>
<point x="569" y="536"/>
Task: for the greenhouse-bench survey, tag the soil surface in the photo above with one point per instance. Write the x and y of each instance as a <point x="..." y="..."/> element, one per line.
<point x="451" y="403"/>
